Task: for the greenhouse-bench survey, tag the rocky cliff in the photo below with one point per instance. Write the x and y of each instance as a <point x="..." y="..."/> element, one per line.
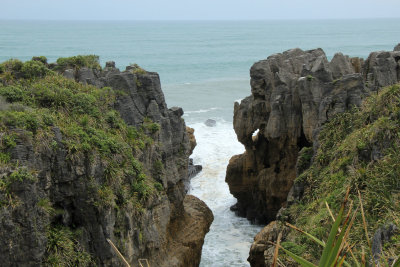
<point x="93" y="157"/>
<point x="294" y="94"/>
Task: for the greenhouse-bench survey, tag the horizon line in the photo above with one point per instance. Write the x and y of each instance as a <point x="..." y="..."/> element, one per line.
<point x="194" y="20"/>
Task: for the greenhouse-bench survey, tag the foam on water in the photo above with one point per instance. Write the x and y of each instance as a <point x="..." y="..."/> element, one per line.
<point x="230" y="237"/>
<point x="201" y="110"/>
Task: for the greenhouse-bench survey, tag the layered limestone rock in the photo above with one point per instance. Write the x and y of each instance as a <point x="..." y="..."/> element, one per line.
<point x="293" y="94"/>
<point x="168" y="231"/>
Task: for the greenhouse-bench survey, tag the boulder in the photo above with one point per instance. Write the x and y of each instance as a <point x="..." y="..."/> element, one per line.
<point x="193" y="170"/>
<point x="261" y="250"/>
<point x="381" y="69"/>
<point x="185" y="244"/>
<point x="210" y="123"/>
<point x="192" y="138"/>
<point x="69" y="74"/>
<point x="381" y="236"/>
<point x="340" y="65"/>
<point x="110" y="64"/>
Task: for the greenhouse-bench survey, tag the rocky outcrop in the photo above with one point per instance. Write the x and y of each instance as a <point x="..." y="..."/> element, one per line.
<point x="293" y="95"/>
<point x="168" y="231"/>
<point x="193" y="169"/>
<point x="210" y="123"/>
<point x="261" y="249"/>
<point x="187" y="234"/>
<point x="192" y="138"/>
<point x="382" y="236"/>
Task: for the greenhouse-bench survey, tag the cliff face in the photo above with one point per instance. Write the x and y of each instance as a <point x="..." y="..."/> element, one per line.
<point x="293" y="95"/>
<point x="130" y="189"/>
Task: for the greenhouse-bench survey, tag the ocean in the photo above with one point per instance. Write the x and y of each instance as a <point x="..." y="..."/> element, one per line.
<point x="204" y="68"/>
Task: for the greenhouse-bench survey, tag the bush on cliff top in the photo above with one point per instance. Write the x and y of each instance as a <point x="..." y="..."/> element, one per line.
<point x="14" y="69"/>
<point x="76" y="62"/>
<point x="359" y="149"/>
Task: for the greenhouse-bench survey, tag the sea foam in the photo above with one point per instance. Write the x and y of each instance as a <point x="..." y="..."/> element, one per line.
<point x="230" y="237"/>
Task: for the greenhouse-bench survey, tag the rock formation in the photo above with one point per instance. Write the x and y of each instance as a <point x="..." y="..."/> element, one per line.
<point x="168" y="231"/>
<point x="210" y="123"/>
<point x="293" y="95"/>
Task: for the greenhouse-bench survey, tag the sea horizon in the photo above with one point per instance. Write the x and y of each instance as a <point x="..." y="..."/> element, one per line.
<point x="204" y="20"/>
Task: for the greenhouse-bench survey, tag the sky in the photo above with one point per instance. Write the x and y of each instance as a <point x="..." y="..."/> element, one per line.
<point x="197" y="9"/>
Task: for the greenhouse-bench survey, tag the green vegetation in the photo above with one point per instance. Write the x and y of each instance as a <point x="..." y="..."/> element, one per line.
<point x="36" y="104"/>
<point x="360" y="150"/>
<point x="29" y="70"/>
<point x="309" y="78"/>
<point x="304" y="158"/>
<point x="40" y="100"/>
<point x="151" y="126"/>
<point x="42" y="59"/>
<point x="32" y="69"/>
<point x="11" y="65"/>
<point x="4" y="158"/>
<point x="77" y="62"/>
<point x="45" y="204"/>
<point x="64" y="249"/>
<point x="136" y="69"/>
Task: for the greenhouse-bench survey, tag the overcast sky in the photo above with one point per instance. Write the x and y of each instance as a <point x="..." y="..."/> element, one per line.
<point x="196" y="9"/>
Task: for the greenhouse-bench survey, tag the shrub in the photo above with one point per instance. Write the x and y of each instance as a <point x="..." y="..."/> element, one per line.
<point x="77" y="62"/>
<point x="12" y="93"/>
<point x="151" y="126"/>
<point x="12" y="65"/>
<point x="136" y="69"/>
<point x="64" y="249"/>
<point x="42" y="59"/>
<point x="45" y="204"/>
<point x="33" y="69"/>
<point x="158" y="186"/>
<point x="50" y="95"/>
<point x="84" y="104"/>
<point x="113" y="119"/>
<point x="21" y="175"/>
<point x="4" y="158"/>
<point x="8" y="141"/>
<point x="25" y="120"/>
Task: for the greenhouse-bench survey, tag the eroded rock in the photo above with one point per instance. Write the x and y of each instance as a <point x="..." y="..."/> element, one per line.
<point x="293" y="94"/>
<point x="210" y="123"/>
<point x="169" y="229"/>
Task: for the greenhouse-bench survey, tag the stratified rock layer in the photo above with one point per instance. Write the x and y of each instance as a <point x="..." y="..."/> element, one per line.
<point x="293" y="94"/>
<point x="168" y="231"/>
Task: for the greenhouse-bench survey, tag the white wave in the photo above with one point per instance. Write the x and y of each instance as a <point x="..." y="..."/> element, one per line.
<point x="201" y="110"/>
<point x="230" y="237"/>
